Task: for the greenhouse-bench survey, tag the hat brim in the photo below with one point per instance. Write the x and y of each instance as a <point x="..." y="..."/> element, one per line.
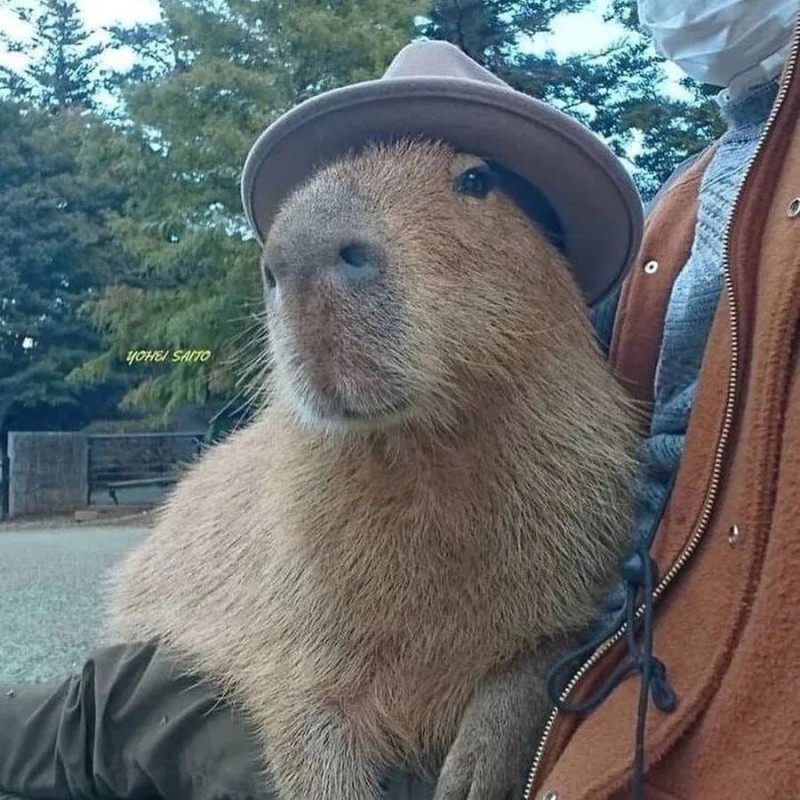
<point x="590" y="190"/>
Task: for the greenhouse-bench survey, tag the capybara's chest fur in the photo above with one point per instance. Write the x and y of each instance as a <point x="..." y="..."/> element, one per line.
<point x="381" y="584"/>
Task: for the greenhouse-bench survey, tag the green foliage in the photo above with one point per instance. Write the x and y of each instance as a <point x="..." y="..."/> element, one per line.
<point x="489" y="32"/>
<point x="66" y="73"/>
<point x="316" y="46"/>
<point x="55" y="252"/>
<point x="153" y="240"/>
<point x="224" y="71"/>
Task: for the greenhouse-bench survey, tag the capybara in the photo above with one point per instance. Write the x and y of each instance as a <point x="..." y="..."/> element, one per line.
<point x="432" y="502"/>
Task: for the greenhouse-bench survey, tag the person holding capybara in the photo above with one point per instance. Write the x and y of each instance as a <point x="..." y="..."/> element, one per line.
<point x="689" y="690"/>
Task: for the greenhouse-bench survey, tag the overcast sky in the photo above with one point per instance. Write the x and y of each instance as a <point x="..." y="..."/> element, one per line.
<point x="572" y="33"/>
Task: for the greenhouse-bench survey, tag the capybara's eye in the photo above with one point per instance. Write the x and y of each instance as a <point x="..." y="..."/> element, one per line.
<point x="269" y="276"/>
<point x="476" y="182"/>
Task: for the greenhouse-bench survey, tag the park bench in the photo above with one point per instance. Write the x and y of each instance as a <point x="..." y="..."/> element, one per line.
<point x="121" y="461"/>
<point x="164" y="480"/>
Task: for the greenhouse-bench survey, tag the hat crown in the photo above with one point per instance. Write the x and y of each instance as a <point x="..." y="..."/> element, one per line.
<point x="434" y="59"/>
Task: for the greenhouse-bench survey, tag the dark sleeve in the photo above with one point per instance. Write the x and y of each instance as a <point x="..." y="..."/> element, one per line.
<point x="602" y="317"/>
<point x="131" y="725"/>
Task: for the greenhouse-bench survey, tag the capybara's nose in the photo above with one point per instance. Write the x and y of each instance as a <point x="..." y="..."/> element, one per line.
<point x="356" y="261"/>
<point x="297" y="265"/>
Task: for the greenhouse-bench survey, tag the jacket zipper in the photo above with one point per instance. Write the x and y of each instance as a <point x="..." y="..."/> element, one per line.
<point x="722" y="443"/>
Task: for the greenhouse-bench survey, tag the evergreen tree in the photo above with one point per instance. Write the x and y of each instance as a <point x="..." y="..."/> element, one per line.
<point x="225" y="69"/>
<point x="490" y="32"/>
<point x="55" y="252"/>
<point x="65" y="72"/>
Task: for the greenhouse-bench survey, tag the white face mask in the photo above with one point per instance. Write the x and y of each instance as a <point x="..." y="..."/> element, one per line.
<point x="731" y="43"/>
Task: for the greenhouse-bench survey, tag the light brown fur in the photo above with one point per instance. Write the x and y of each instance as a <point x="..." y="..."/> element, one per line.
<point x="353" y="583"/>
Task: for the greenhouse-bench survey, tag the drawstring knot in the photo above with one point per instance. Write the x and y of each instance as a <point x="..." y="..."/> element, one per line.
<point x="663" y="694"/>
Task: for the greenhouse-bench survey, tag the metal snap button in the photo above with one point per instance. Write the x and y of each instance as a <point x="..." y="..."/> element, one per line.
<point x="734" y="534"/>
<point x="550" y="796"/>
<point x="652" y="266"/>
<point x="794" y="208"/>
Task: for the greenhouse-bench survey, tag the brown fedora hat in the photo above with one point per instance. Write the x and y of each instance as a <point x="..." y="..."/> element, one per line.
<point x="433" y="90"/>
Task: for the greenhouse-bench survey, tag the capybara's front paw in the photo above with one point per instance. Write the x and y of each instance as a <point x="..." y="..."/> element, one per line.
<point x="481" y="770"/>
<point x="492" y="752"/>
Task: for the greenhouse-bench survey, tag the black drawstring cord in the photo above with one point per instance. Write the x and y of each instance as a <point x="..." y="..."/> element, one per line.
<point x="638" y="572"/>
<point x="642" y="571"/>
<point x="563" y="669"/>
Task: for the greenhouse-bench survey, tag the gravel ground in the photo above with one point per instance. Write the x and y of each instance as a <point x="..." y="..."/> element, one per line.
<point x="50" y="596"/>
